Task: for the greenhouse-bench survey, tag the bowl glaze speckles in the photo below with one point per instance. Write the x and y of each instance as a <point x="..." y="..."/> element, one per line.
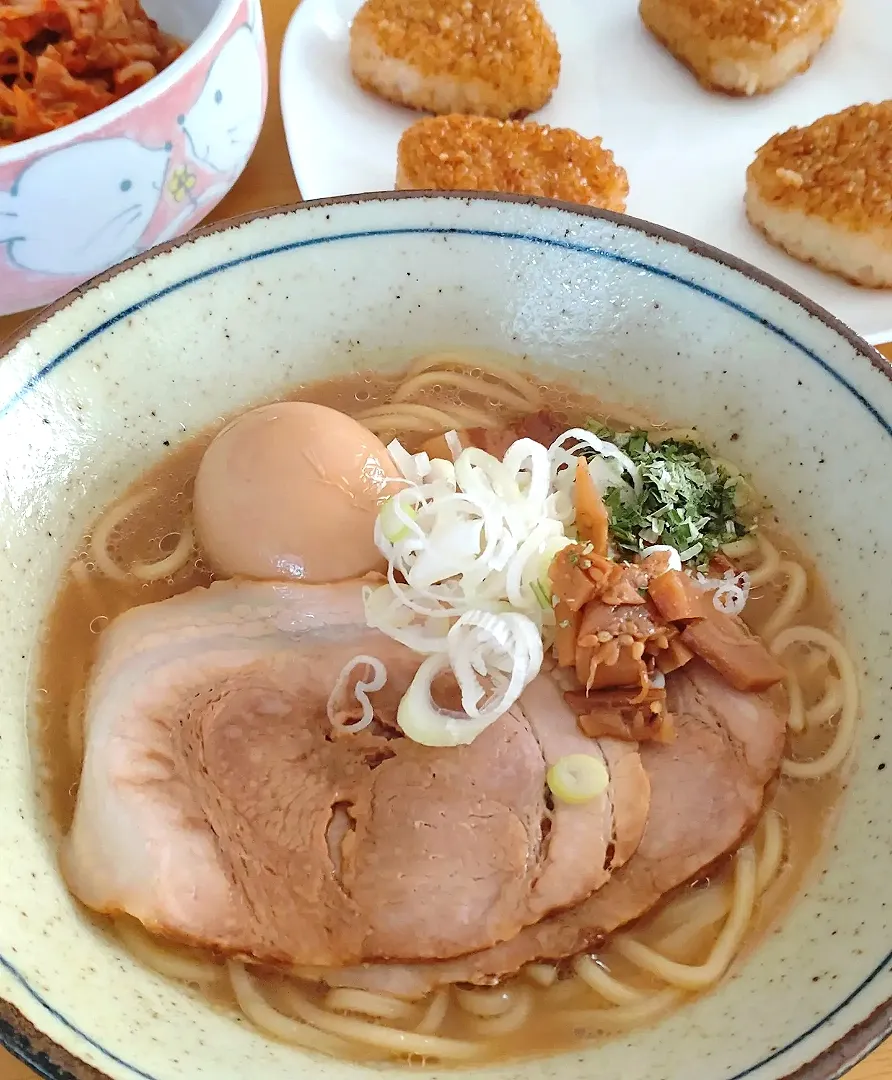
<point x="99" y="387"/>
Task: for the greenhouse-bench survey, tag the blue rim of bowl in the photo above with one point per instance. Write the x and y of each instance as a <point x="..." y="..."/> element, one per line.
<point x="87" y="126"/>
<point x="52" y="1061"/>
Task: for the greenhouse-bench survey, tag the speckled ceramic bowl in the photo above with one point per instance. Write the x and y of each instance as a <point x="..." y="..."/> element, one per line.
<point x="101" y="385"/>
<point x="141" y="171"/>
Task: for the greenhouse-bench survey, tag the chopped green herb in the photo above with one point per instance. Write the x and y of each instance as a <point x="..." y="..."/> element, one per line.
<point x="686" y="501"/>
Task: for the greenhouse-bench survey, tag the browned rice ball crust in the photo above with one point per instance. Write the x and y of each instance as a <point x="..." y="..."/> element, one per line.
<point x="763" y="22"/>
<point x="836" y="172"/>
<point x="839" y="167"/>
<point x="491" y="57"/>
<point x="462" y="153"/>
<point x="742" y="46"/>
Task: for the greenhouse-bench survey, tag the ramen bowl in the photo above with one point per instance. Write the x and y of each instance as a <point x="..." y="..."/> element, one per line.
<point x="141" y="171"/>
<point x="109" y="380"/>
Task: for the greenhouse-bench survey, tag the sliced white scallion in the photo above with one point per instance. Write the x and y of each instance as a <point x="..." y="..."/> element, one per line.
<point x="361" y="691"/>
<point x="385" y="612"/>
<point x="528" y="573"/>
<point x="396" y="519"/>
<point x="472" y="536"/>
<point x="505" y="650"/>
<point x="690" y="552"/>
<point x="454" y="443"/>
<point x="577" y="778"/>
<point x="414" y="467"/>
<point x="582" y="439"/>
<point x="674" y="557"/>
<point x="469" y="545"/>
<point x="732" y="593"/>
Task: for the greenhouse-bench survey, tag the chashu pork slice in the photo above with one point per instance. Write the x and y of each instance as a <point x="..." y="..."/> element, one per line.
<point x="218" y="806"/>
<point x="707" y="789"/>
<point x="586" y="842"/>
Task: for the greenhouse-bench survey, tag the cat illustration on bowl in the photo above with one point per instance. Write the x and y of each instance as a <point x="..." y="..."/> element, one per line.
<point x="221" y="127"/>
<point x="76" y="237"/>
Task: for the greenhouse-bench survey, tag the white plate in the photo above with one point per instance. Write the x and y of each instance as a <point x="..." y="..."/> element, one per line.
<point x="685" y="150"/>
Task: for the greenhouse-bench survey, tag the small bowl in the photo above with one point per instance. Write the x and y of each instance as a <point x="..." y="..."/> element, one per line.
<point x="142" y="171"/>
<point x="249" y="309"/>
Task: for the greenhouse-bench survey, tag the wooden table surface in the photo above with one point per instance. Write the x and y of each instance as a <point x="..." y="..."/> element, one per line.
<point x="269" y="181"/>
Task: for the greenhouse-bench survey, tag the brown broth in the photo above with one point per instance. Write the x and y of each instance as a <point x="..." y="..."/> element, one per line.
<point x="80" y="613"/>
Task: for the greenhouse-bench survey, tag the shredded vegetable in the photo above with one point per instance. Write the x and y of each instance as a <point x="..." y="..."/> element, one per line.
<point x="61" y="60"/>
<point x="476" y="534"/>
<point x="504" y="651"/>
<point x="468" y="545"/>
<point x="490" y="562"/>
<point x="731" y="591"/>
<point x="684" y="499"/>
<point x="339" y="708"/>
<point x="395" y="521"/>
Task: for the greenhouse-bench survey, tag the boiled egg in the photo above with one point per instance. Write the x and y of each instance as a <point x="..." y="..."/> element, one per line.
<point x="292" y="490"/>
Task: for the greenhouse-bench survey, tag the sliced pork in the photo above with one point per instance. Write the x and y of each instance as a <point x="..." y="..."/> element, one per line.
<point x="197" y="777"/>
<point x="587" y="841"/>
<point x="707" y="789"/>
<point x="218" y="806"/>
